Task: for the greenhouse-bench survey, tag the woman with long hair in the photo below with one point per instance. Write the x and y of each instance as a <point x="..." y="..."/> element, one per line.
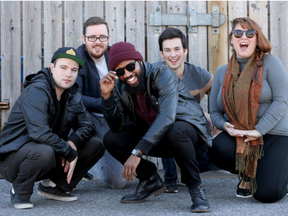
<point x="249" y="103"/>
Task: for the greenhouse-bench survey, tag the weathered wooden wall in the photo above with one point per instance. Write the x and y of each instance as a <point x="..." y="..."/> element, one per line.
<point x="48" y="25"/>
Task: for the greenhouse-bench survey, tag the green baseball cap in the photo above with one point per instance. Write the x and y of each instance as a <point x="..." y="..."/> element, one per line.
<point x="70" y="53"/>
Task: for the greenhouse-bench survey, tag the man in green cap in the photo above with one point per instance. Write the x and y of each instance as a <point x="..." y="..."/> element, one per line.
<point x="37" y="143"/>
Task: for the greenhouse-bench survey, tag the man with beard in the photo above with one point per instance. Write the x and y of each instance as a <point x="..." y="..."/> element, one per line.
<point x="166" y="121"/>
<point x="95" y="54"/>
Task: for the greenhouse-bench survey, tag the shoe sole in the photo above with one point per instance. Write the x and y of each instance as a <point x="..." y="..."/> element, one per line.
<point x="23" y="206"/>
<point x="171" y="191"/>
<point x="86" y="179"/>
<point x="201" y="210"/>
<point x="156" y="193"/>
<point x="54" y="197"/>
<point x="244" y="197"/>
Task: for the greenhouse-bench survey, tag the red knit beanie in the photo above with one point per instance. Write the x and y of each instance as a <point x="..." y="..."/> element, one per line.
<point x="122" y="51"/>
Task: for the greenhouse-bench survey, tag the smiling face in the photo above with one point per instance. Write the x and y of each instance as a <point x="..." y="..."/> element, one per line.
<point x="96" y="49"/>
<point x="173" y="54"/>
<point x="131" y="78"/>
<point x="244" y="47"/>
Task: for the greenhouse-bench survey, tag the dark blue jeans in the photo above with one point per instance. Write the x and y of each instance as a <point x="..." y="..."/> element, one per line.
<point x="170" y="171"/>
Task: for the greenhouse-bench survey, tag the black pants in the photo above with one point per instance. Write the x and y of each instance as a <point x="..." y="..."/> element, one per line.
<point x="272" y="169"/>
<point x="181" y="142"/>
<point x="34" y="162"/>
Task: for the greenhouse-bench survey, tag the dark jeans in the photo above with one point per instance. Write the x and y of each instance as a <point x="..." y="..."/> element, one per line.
<point x="181" y="142"/>
<point x="34" y="162"/>
<point x="272" y="169"/>
<point x="170" y="170"/>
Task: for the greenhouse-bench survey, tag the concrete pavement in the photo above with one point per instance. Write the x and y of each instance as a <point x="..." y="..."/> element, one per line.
<point x="94" y="198"/>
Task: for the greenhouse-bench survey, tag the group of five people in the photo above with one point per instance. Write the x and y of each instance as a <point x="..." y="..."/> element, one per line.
<point x="102" y="109"/>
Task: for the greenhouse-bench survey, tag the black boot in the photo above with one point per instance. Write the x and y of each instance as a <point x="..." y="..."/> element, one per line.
<point x="200" y="201"/>
<point x="153" y="185"/>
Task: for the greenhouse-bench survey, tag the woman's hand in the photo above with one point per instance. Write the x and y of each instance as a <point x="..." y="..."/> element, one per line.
<point x="229" y="128"/>
<point x="249" y="134"/>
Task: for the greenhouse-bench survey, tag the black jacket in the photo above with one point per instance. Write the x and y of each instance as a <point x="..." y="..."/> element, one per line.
<point x="168" y="95"/>
<point x="88" y="81"/>
<point x="34" y="113"/>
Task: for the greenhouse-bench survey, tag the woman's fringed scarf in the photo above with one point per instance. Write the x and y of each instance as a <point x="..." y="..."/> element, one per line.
<point x="240" y="94"/>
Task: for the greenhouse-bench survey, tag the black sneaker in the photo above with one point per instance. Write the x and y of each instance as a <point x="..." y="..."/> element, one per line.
<point x="88" y="177"/>
<point x="171" y="186"/>
<point x="242" y="193"/>
<point x="55" y="193"/>
<point x="20" y="203"/>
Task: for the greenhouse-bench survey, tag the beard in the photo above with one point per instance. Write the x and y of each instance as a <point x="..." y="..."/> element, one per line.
<point x="98" y="54"/>
<point x="140" y="87"/>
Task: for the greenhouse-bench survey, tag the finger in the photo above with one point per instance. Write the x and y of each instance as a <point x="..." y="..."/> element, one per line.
<point x="63" y="162"/>
<point x="113" y="74"/>
<point x="66" y="168"/>
<point x="69" y="176"/>
<point x="124" y="173"/>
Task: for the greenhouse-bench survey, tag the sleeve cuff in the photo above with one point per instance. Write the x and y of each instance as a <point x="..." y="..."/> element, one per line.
<point x="144" y="146"/>
<point x="72" y="154"/>
<point x="108" y="103"/>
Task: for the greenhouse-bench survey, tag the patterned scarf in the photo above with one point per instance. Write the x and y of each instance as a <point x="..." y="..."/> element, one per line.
<point x="240" y="94"/>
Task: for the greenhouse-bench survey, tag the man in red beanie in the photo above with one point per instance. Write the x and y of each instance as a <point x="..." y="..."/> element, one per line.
<point x="166" y="121"/>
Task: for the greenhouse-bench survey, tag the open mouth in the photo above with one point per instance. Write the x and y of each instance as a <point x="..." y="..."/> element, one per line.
<point x="132" y="80"/>
<point x="244" y="45"/>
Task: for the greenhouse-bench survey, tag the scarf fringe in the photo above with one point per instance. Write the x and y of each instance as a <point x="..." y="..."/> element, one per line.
<point x="243" y="161"/>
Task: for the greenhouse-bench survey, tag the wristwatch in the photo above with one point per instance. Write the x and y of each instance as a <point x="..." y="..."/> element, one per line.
<point x="137" y="153"/>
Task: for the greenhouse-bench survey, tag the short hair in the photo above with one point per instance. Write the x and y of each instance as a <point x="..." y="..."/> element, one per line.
<point x="94" y="21"/>
<point x="170" y="33"/>
<point x="263" y="44"/>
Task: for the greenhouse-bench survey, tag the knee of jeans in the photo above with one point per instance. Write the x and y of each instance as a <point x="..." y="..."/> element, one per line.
<point x="116" y="183"/>
<point x="43" y="157"/>
<point x="268" y="196"/>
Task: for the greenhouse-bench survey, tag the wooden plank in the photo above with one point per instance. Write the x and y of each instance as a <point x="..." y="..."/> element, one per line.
<point x="135" y="25"/>
<point x="73" y="23"/>
<point x="94" y="8"/>
<point x="10" y="55"/>
<point x="153" y="32"/>
<point x="197" y="52"/>
<point x="198" y="41"/>
<point x="218" y="43"/>
<point x="52" y="29"/>
<point x="279" y="30"/>
<point x="115" y="18"/>
<point x="236" y="9"/>
<point x="259" y="13"/>
<point x="178" y="7"/>
<point x="32" y="56"/>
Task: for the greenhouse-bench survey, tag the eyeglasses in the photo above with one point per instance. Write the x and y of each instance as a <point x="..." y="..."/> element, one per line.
<point x="94" y="38"/>
<point x="129" y="67"/>
<point x="249" y="33"/>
